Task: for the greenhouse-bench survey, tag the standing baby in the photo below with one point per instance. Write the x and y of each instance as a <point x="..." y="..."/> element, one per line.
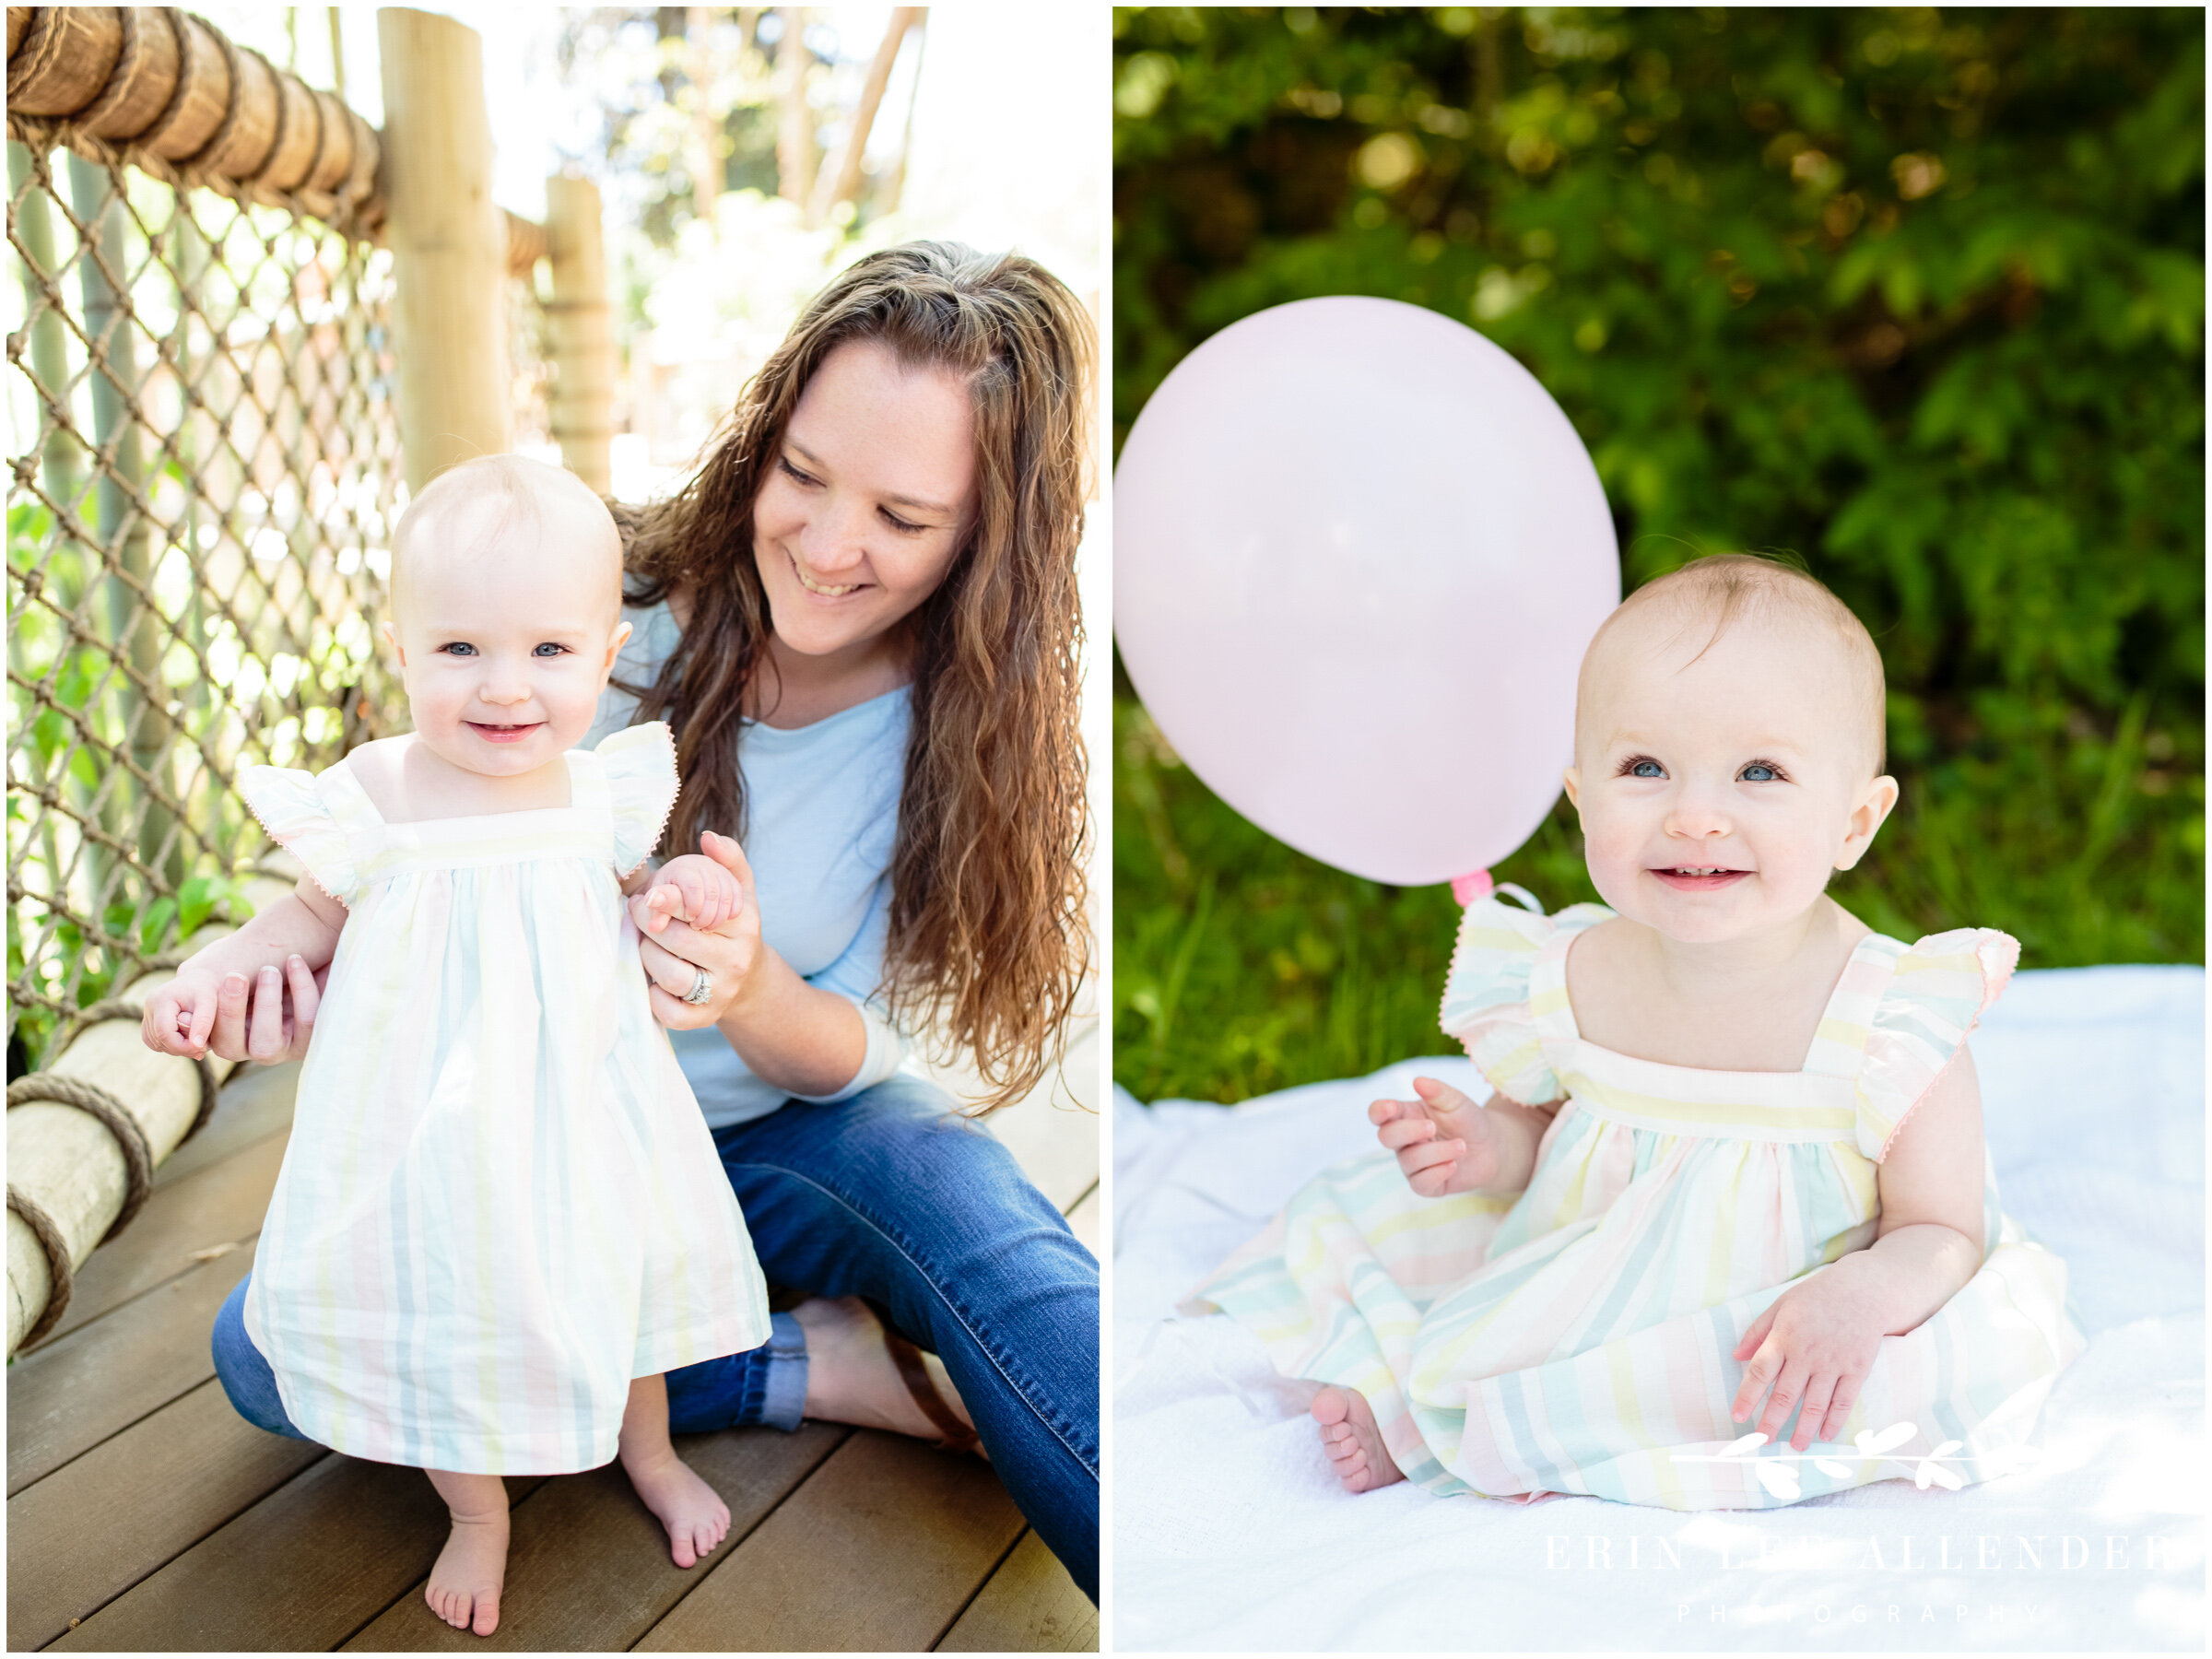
<point x="1732" y="1177"/>
<point x="501" y="1217"/>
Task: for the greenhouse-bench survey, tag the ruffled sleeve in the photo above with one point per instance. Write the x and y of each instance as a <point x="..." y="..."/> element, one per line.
<point x="1934" y="998"/>
<point x="293" y="808"/>
<point x="639" y="762"/>
<point x="1486" y="998"/>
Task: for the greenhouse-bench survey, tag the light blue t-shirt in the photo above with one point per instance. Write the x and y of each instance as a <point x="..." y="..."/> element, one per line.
<point x="822" y="811"/>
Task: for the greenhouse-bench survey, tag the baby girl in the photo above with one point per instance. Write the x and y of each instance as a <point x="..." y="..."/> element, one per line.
<point x="501" y="1217"/>
<point x="1731" y="1186"/>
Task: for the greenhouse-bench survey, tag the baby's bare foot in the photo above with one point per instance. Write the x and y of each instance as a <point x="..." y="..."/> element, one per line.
<point x="465" y="1586"/>
<point x="1352" y="1440"/>
<point x="696" y="1517"/>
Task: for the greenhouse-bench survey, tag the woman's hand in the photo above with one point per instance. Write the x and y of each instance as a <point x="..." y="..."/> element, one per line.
<point x="674" y="956"/>
<point x="266" y="1018"/>
<point x="1816" y="1343"/>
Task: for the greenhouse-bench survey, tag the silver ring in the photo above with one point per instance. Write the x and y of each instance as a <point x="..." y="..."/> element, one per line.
<point x="702" y="987"/>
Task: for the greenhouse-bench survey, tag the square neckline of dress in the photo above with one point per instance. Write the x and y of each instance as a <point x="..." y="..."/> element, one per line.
<point x="365" y="809"/>
<point x="1552" y="959"/>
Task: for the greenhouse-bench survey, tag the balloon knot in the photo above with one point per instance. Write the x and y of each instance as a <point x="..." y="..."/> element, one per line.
<point x="1474" y="885"/>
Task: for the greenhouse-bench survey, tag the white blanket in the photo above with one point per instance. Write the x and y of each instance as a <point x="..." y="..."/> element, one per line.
<point x="1230" y="1532"/>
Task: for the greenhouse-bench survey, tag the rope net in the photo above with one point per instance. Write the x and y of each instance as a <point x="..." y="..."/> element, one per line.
<point x="205" y="471"/>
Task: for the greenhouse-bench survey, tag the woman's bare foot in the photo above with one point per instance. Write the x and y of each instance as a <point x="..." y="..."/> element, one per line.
<point x="694" y="1513"/>
<point x="852" y="1378"/>
<point x="1354" y="1443"/>
<point x="471" y="1570"/>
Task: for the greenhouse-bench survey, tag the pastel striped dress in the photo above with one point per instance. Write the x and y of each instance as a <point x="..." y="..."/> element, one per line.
<point x="1577" y="1338"/>
<point x="499" y="1203"/>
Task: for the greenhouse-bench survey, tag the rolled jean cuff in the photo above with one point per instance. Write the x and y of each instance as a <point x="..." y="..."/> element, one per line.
<point x="775" y="1389"/>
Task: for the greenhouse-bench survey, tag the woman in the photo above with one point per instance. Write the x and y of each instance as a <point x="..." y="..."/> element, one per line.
<point x="861" y="619"/>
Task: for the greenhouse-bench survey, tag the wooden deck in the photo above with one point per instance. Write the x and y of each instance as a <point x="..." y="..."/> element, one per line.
<point x="143" y="1513"/>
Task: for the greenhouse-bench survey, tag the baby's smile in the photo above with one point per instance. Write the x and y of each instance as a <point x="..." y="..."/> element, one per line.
<point x="502" y="734"/>
<point x="1699" y="878"/>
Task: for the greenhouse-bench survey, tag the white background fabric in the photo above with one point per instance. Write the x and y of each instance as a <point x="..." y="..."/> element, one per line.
<point x="1230" y="1532"/>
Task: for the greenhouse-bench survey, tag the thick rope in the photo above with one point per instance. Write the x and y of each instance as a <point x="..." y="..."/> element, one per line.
<point x="97" y="1102"/>
<point x="280" y="127"/>
<point x="36" y="52"/>
<point x="234" y="106"/>
<point x="60" y="1275"/>
<point x="178" y="94"/>
<point x="119" y="77"/>
<point x="119" y="1007"/>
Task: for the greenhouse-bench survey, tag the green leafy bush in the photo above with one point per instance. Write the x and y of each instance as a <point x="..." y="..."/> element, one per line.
<point x="1916" y="295"/>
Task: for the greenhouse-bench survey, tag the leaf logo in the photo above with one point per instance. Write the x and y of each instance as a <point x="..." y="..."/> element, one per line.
<point x="1778" y="1477"/>
<point x="1930" y="1470"/>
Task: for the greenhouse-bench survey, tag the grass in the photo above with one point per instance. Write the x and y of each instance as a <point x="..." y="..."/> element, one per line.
<point x="1241" y="967"/>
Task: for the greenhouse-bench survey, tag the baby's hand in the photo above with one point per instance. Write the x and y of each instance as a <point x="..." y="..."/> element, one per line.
<point x="1816" y="1343"/>
<point x="693" y="888"/>
<point x="180" y="1015"/>
<point x="271" y="1012"/>
<point x="1445" y="1142"/>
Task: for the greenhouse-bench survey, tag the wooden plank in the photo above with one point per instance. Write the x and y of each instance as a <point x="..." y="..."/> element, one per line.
<point x="879" y="1551"/>
<point x="222" y="1205"/>
<point x="97" y="1525"/>
<point x="587" y="1564"/>
<point x="315" y="1560"/>
<point x="1087" y="1221"/>
<point x="255" y="1103"/>
<point x="69" y="1395"/>
<point x="1030" y="1605"/>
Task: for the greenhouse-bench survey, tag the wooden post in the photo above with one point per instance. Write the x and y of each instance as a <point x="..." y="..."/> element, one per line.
<point x="841" y="182"/>
<point x="61" y="470"/>
<point x="889" y="190"/>
<point x="448" y="242"/>
<point x="582" y="395"/>
<point x="794" y="120"/>
<point x="706" y="127"/>
<point x="134" y="632"/>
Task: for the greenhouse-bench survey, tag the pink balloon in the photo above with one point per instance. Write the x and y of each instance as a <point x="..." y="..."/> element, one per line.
<point x="1358" y="552"/>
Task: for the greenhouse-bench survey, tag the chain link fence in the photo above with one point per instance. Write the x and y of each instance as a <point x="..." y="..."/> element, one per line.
<point x="205" y="475"/>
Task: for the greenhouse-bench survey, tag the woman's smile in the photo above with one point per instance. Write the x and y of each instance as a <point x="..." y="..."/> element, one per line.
<point x="822" y="589"/>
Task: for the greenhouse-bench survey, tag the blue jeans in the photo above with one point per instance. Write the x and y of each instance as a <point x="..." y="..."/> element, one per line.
<point x="888" y="1196"/>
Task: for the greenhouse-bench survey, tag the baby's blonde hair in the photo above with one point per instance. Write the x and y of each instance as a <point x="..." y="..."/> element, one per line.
<point x="1725" y="588"/>
<point x="521" y="485"/>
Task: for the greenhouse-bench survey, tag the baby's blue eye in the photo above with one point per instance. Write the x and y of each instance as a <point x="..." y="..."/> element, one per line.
<point x="549" y="648"/>
<point x="1759" y="771"/>
<point x="1647" y="769"/>
<point x="458" y="648"/>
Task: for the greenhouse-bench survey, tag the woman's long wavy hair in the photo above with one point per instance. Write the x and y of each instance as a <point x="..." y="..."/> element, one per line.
<point x="988" y="938"/>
